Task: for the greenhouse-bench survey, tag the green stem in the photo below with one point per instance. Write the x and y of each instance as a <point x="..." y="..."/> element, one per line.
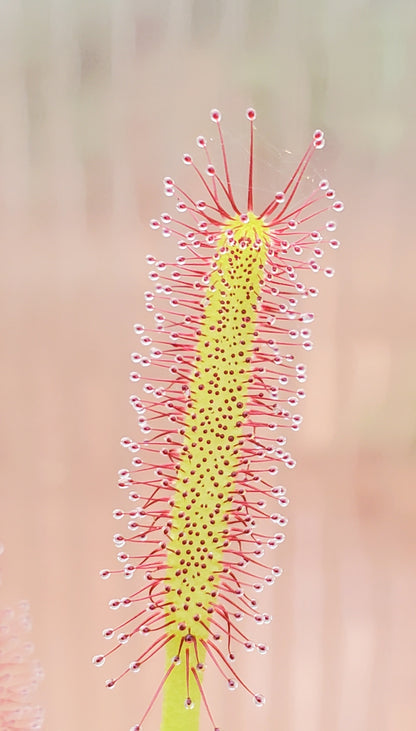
<point x="175" y="716"/>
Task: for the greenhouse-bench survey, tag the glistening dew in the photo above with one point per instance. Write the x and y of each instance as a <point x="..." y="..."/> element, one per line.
<point x="226" y="353"/>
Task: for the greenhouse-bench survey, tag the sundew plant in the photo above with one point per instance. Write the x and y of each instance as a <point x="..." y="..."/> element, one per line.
<point x="205" y="487"/>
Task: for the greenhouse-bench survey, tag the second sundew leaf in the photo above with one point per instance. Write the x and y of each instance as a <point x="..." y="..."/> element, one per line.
<point x="214" y="417"/>
<point x="216" y="411"/>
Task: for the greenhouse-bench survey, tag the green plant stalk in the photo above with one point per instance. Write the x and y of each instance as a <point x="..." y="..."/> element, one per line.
<point x="175" y="716"/>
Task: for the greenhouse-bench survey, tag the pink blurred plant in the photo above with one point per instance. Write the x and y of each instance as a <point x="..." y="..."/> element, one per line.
<point x="19" y="672"/>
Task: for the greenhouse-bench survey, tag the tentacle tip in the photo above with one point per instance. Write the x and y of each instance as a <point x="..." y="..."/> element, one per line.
<point x="215" y="115"/>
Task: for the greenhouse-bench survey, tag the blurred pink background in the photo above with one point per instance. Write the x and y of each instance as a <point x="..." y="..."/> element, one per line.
<point x="99" y="100"/>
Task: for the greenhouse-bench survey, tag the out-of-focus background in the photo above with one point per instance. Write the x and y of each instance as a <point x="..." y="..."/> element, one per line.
<point x="99" y="99"/>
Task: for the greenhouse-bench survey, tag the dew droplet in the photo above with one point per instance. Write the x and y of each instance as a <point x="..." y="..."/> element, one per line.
<point x="215" y="115"/>
<point x="98" y="660"/>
